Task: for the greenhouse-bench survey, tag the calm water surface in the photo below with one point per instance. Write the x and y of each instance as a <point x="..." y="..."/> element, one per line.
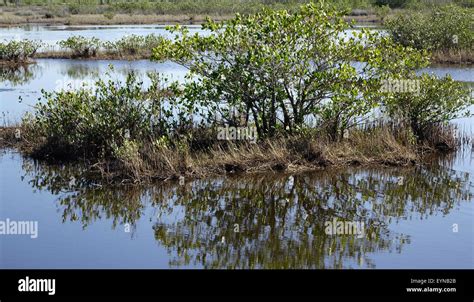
<point x="260" y="221"/>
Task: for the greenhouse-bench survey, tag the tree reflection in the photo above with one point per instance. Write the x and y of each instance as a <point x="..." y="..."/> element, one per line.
<point x="80" y="71"/>
<point x="83" y="200"/>
<point x="267" y="221"/>
<point x="18" y="74"/>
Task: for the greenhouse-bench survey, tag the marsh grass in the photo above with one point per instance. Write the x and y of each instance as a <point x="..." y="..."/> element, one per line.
<point x="145" y="161"/>
<point x="453" y="56"/>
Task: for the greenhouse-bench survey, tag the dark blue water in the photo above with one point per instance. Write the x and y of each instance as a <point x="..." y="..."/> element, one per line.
<point x="279" y="217"/>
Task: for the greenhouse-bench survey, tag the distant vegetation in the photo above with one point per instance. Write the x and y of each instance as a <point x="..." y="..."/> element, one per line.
<point x="420" y="4"/>
<point x="130" y="46"/>
<point x="446" y="30"/>
<point x="214" y="7"/>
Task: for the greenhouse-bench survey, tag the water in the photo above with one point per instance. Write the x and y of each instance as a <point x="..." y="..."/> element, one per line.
<point x="420" y="217"/>
<point x="259" y="221"/>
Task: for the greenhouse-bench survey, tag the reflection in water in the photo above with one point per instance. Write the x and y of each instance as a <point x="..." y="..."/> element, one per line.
<point x="23" y="74"/>
<point x="266" y="221"/>
<point x="80" y="71"/>
<point x="18" y="74"/>
<point x="87" y="71"/>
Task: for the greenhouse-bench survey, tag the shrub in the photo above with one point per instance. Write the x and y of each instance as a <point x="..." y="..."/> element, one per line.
<point x="98" y="121"/>
<point x="133" y="45"/>
<point x="437" y="102"/>
<point x="281" y="69"/>
<point x="18" y="50"/>
<point x="81" y="46"/>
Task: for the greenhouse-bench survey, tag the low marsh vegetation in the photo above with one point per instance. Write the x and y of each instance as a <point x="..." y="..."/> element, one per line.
<point x="71" y="12"/>
<point x="128" y="47"/>
<point x="81" y="46"/>
<point x="181" y="7"/>
<point x="133" y="45"/>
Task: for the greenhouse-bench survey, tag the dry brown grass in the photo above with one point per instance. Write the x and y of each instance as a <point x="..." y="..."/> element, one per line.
<point x="7" y="137"/>
<point x="19" y="137"/>
<point x="295" y="154"/>
<point x="463" y="56"/>
<point x="37" y="15"/>
<point x="141" y="162"/>
<point x="9" y="18"/>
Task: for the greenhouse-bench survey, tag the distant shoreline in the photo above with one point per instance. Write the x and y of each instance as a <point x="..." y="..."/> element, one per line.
<point x="8" y="19"/>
